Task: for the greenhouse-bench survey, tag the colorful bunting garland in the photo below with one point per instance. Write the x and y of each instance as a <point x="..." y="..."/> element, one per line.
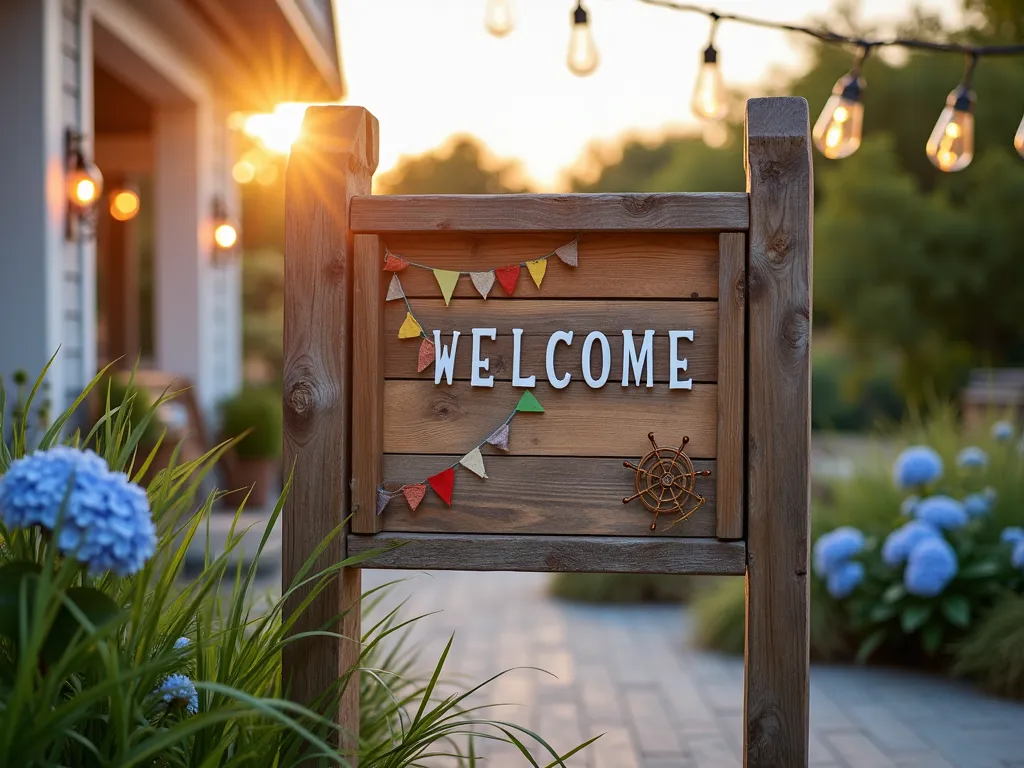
<point x="483" y="281"/>
<point x="443" y="483"/>
<point x="411" y="328"/>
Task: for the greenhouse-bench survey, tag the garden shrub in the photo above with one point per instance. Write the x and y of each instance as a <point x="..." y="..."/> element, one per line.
<point x="109" y="658"/>
<point x="624" y="587"/>
<point x="993" y="653"/>
<point x="258" y="413"/>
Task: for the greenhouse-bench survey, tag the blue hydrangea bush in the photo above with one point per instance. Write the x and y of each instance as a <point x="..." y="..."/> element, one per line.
<point x="917" y="581"/>
<point x="110" y="657"/>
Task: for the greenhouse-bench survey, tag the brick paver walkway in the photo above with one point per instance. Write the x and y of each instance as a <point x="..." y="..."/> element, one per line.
<point x="627" y="672"/>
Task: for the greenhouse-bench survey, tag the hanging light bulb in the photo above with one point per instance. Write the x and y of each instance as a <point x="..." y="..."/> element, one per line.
<point x="709" y="97"/>
<point x="951" y="145"/>
<point x="837" y="132"/>
<point x="582" y="51"/>
<point x="1018" y="139"/>
<point x="498" y="17"/>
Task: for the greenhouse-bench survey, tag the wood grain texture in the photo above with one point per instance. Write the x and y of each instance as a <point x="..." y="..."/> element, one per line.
<point x="780" y="183"/>
<point x="655" y="265"/>
<point x="368" y="344"/>
<point x="732" y="323"/>
<point x="532" y="495"/>
<point x="587" y="554"/>
<point x="676" y="211"/>
<point x="541" y="318"/>
<point x="701" y="357"/>
<point x="333" y="161"/>
<point x="611" y="422"/>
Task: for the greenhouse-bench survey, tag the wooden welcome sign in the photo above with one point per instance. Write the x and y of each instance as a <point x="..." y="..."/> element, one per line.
<point x="554" y="383"/>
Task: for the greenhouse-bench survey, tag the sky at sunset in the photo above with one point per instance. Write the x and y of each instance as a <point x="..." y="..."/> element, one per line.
<point x="428" y="69"/>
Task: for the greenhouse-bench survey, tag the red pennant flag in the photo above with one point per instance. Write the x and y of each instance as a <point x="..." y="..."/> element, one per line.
<point x="394" y="264"/>
<point x="414" y="494"/>
<point x="443" y="483"/>
<point x="426" y="356"/>
<point x="508" y="276"/>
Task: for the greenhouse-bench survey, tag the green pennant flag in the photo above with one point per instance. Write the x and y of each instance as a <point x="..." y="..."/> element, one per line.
<point x="529" y="404"/>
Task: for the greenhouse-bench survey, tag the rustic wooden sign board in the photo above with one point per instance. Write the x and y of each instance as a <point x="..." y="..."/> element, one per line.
<point x="680" y="319"/>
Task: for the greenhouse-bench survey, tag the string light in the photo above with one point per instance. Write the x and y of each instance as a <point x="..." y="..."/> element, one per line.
<point x="583" y="58"/>
<point x="709" y="100"/>
<point x="951" y="145"/>
<point x="837" y="131"/>
<point x="498" y="17"/>
<point x="1018" y="139"/>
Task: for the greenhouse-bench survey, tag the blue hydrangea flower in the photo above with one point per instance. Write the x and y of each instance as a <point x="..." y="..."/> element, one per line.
<point x="900" y="543"/>
<point x="1012" y="535"/>
<point x="917" y="466"/>
<point x="181" y="642"/>
<point x="931" y="566"/>
<point x="836" y="547"/>
<point x="178" y="692"/>
<point x="942" y="512"/>
<point x="1017" y="556"/>
<point x="1002" y="430"/>
<point x="977" y="504"/>
<point x="908" y="505"/>
<point x="843" y="580"/>
<point x="106" y="520"/>
<point x="972" y="457"/>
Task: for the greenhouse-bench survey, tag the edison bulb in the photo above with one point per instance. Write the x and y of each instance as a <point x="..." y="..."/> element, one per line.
<point x="498" y="17"/>
<point x="124" y="205"/>
<point x="1018" y="139"/>
<point x="951" y="145"/>
<point x="709" y="98"/>
<point x="225" y="235"/>
<point x="582" y="51"/>
<point x="837" y="132"/>
<point x="84" y="184"/>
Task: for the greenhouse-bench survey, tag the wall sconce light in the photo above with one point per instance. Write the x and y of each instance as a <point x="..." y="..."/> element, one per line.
<point x="84" y="184"/>
<point x="124" y="204"/>
<point x="225" y="232"/>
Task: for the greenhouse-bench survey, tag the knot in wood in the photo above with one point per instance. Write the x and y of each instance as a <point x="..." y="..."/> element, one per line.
<point x="778" y="248"/>
<point x="769" y="171"/>
<point x="796" y="331"/>
<point x="445" y="406"/>
<point x="300" y="400"/>
<point x="638" y="205"/>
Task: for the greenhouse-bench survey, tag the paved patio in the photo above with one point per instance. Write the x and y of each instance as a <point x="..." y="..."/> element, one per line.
<point x="628" y="673"/>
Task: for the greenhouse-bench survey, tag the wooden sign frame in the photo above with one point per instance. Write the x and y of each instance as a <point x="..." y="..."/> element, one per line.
<point x="335" y="362"/>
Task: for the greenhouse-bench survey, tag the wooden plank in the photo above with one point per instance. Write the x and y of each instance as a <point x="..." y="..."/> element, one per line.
<point x="333" y="160"/>
<point x="587" y="554"/>
<point x="675" y="211"/>
<point x="780" y="183"/>
<point x="538" y="317"/>
<point x="732" y="396"/>
<point x="613" y="421"/>
<point x="532" y="495"/>
<point x="654" y="265"/>
<point x="701" y="358"/>
<point x="368" y="365"/>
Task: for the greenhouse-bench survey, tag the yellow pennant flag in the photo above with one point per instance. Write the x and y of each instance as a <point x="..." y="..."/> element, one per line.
<point x="537" y="269"/>
<point x="410" y="328"/>
<point x="447" y="281"/>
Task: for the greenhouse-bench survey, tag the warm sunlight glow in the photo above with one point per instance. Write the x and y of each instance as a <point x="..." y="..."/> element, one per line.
<point x="498" y="17"/>
<point x="277" y="130"/>
<point x="124" y="205"/>
<point x="243" y="172"/>
<point x="225" y="235"/>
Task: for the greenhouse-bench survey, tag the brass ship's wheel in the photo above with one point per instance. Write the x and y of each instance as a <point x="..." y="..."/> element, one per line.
<point x="664" y="482"/>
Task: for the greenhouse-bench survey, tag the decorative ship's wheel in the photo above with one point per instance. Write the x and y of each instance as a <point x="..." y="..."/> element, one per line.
<point x="664" y="482"/>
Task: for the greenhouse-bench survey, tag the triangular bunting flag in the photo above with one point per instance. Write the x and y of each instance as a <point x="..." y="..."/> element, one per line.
<point x="529" y="404"/>
<point x="482" y="281"/>
<point x="508" y="276"/>
<point x="447" y="281"/>
<point x="443" y="483"/>
<point x="500" y="438"/>
<point x="426" y="356"/>
<point x="394" y="264"/>
<point x="414" y="494"/>
<point x="474" y="462"/>
<point x="537" y="269"/>
<point x="569" y="254"/>
<point x="395" y="289"/>
<point x="410" y="328"/>
<point x="383" y="497"/>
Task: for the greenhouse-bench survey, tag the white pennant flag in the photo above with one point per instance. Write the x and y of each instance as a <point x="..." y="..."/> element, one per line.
<point x="474" y="462"/>
<point x="394" y="289"/>
<point x="569" y="254"/>
<point x="499" y="439"/>
<point x="482" y="281"/>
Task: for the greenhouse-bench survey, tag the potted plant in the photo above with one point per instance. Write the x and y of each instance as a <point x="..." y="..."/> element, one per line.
<point x="255" y="414"/>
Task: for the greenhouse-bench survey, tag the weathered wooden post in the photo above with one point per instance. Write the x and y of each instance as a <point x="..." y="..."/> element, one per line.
<point x="685" y="316"/>
<point x="333" y="161"/>
<point x="781" y="188"/>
